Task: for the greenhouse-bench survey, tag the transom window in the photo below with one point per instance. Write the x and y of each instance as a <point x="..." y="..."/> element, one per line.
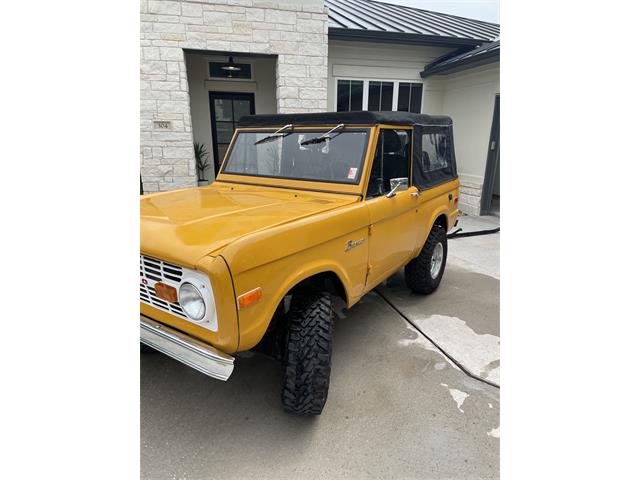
<point x="378" y="95"/>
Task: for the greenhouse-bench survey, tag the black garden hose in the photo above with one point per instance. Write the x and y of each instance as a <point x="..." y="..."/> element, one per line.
<point x="459" y="233"/>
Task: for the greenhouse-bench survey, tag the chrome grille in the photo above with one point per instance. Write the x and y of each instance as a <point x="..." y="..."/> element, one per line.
<point x="153" y="271"/>
<point x="159" y="271"/>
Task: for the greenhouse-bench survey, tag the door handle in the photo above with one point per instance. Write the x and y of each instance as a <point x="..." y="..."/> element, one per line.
<point x="416" y="194"/>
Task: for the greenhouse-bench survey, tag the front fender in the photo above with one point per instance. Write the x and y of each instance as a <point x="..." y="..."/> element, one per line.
<point x="255" y="319"/>
<point x="278" y="259"/>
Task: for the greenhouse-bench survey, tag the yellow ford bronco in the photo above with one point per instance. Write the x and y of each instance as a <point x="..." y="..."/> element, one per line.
<point x="306" y="211"/>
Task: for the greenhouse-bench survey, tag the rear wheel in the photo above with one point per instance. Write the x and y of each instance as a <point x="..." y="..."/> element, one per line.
<point x="424" y="273"/>
<point x="307" y="356"/>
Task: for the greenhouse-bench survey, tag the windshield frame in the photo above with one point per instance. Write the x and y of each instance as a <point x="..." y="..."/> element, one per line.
<point x="349" y="187"/>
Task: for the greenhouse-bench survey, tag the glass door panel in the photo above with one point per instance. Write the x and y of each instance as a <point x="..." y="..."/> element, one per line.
<point x="226" y="110"/>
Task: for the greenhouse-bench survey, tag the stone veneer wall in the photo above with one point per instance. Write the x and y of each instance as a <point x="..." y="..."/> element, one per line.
<point x="296" y="33"/>
<point x="470" y="195"/>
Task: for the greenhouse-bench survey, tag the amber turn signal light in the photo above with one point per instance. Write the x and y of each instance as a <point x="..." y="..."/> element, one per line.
<point x="166" y="292"/>
<point x="249" y="298"/>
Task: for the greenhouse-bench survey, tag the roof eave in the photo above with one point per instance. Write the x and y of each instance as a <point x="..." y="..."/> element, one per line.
<point x="400" y="37"/>
<point x="474" y="61"/>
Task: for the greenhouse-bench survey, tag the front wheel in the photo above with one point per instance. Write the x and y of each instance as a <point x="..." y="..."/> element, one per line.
<point x="307" y="358"/>
<point x="424" y="273"/>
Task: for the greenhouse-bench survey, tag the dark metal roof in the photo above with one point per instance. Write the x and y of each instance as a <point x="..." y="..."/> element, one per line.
<point x="367" y="19"/>
<point x="487" y="53"/>
<point x="348" y="118"/>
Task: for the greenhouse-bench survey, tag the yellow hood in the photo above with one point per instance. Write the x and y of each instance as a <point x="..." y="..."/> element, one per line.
<point x="182" y="226"/>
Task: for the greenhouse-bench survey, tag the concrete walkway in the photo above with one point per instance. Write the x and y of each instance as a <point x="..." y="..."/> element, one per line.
<point x="397" y="407"/>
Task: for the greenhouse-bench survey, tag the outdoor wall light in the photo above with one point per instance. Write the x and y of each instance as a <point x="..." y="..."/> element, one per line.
<point x="230" y="67"/>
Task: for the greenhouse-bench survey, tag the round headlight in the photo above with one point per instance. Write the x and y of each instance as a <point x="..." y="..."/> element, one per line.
<point x="191" y="301"/>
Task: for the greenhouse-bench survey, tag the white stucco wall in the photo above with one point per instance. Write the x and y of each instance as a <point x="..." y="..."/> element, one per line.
<point x="379" y="61"/>
<point x="468" y="98"/>
<point x="263" y="86"/>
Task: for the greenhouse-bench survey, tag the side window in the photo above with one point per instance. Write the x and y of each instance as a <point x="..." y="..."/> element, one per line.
<point x="434" y="152"/>
<point x="391" y="160"/>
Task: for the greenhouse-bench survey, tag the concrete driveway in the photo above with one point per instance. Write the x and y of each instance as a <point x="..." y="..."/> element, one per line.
<point x="463" y="316"/>
<point x="397" y="408"/>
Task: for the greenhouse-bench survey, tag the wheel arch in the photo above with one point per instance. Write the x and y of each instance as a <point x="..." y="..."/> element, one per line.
<point x="442" y="220"/>
<point x="327" y="279"/>
<point x="438" y="217"/>
<point x="321" y="276"/>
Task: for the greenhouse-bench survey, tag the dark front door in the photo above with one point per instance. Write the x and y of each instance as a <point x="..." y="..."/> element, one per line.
<point x="226" y="109"/>
<point x="493" y="160"/>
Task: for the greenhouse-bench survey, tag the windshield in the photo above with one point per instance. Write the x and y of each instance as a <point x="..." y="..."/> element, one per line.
<point x="335" y="160"/>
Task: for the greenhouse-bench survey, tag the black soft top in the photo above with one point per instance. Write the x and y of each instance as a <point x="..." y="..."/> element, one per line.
<point x="348" y="118"/>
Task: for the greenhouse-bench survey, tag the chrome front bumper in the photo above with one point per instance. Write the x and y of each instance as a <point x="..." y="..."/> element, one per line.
<point x="185" y="349"/>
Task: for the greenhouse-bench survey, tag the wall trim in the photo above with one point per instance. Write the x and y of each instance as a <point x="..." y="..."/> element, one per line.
<point x="225" y="86"/>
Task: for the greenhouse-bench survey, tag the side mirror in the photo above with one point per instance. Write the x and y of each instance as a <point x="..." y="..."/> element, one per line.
<point x="397" y="185"/>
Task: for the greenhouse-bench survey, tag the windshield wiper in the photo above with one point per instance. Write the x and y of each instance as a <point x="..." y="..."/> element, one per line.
<point x="325" y="136"/>
<point x="276" y="134"/>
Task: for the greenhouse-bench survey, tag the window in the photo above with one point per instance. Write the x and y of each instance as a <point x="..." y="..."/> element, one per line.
<point x="380" y="96"/>
<point x="434" y="160"/>
<point x="226" y="109"/>
<point x="349" y="95"/>
<point x="434" y="151"/>
<point x="410" y="97"/>
<point x="391" y="160"/>
<point x="240" y="70"/>
<point x="338" y="160"/>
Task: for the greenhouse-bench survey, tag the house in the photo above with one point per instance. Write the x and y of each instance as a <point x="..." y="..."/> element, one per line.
<point x="205" y="63"/>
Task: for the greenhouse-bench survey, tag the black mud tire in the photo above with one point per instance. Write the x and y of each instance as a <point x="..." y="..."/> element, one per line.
<point x="417" y="273"/>
<point x="146" y="348"/>
<point x="307" y="356"/>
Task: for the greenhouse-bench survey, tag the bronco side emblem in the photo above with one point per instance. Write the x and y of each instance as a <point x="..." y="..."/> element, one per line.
<point x="351" y="244"/>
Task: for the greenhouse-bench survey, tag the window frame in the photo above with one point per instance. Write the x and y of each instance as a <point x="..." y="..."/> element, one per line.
<point x="365" y="91"/>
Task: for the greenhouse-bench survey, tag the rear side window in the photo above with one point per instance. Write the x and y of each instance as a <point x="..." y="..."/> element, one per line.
<point x="433" y="156"/>
<point x="434" y="152"/>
